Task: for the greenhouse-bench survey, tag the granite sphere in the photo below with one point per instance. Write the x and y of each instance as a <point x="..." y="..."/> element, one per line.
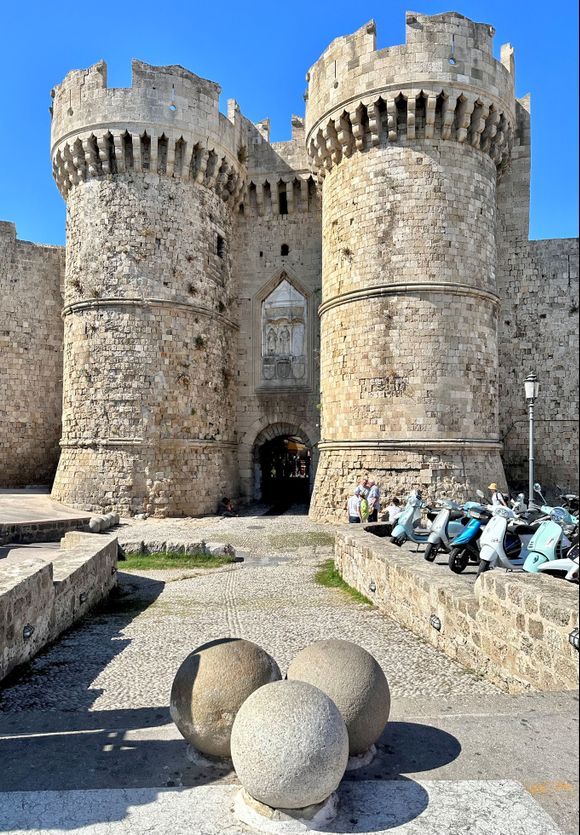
<point x="289" y="745"/>
<point x="354" y="680"/>
<point x="210" y="687"/>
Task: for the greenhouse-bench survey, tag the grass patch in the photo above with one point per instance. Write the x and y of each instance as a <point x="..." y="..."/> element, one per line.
<point x="328" y="576"/>
<point x="301" y="540"/>
<point x="167" y="559"/>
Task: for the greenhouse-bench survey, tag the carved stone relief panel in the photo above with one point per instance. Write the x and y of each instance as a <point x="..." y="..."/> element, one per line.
<point x="283" y="325"/>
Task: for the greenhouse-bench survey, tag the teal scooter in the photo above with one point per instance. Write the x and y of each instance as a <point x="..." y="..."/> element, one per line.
<point x="550" y="543"/>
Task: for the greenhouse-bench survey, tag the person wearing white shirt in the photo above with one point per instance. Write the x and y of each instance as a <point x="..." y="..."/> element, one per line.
<point x="353" y="507"/>
<point x="497" y="499"/>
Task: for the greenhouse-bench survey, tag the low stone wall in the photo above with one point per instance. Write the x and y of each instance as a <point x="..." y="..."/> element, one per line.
<point x="511" y="628"/>
<point x="49" y="530"/>
<point x="39" y="600"/>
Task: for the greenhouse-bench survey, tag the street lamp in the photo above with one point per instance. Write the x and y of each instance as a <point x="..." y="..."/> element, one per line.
<point x="532" y="388"/>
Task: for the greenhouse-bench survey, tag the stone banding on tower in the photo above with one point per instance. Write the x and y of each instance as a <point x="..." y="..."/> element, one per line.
<point x="153" y="175"/>
<point x="408" y="143"/>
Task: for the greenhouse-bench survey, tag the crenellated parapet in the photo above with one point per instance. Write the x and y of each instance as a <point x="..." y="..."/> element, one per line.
<point x="443" y="84"/>
<point x="274" y="194"/>
<point x="168" y="123"/>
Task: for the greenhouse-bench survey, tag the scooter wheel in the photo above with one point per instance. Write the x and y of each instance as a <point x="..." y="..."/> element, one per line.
<point x="431" y="552"/>
<point x="397" y="540"/>
<point x="458" y="561"/>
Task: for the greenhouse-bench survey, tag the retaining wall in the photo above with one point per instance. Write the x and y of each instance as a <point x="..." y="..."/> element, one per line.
<point x="511" y="628"/>
<point x="39" y="600"/>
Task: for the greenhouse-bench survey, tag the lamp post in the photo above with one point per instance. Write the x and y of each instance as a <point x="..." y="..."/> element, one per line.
<point x="532" y="388"/>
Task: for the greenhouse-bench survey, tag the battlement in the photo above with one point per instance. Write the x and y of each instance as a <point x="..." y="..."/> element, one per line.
<point x="168" y="122"/>
<point x="443" y="82"/>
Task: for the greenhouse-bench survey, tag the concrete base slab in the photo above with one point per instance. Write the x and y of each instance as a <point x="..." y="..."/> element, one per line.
<point x="262" y="818"/>
<point x="407" y="807"/>
<point x="361" y="760"/>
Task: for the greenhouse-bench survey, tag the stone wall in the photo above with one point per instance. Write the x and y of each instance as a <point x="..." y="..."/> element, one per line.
<point x="511" y="628"/>
<point x="276" y="240"/>
<point x="538" y="329"/>
<point x="539" y="333"/>
<point x="40" y="600"/>
<point x="30" y="359"/>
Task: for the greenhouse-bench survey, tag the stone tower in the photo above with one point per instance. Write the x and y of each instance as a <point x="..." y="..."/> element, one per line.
<point x="409" y="142"/>
<point x="152" y="176"/>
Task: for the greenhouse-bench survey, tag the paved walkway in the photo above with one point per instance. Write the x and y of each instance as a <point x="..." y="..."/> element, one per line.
<point x="90" y="713"/>
<point x="33" y="504"/>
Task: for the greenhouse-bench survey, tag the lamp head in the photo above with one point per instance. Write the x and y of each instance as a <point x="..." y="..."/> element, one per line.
<point x="532" y="388"/>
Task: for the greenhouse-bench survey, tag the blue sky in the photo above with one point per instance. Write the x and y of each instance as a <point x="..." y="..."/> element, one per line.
<point x="259" y="53"/>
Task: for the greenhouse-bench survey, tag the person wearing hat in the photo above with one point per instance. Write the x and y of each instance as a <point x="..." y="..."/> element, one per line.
<point x="497" y="499"/>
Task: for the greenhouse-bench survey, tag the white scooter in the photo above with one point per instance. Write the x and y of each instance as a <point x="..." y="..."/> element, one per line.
<point x="504" y="541"/>
<point x="444" y="528"/>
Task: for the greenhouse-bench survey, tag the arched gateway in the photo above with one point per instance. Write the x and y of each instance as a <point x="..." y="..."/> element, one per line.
<point x="283" y="465"/>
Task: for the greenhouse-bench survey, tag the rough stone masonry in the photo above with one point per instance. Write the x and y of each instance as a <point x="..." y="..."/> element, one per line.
<point x="367" y="287"/>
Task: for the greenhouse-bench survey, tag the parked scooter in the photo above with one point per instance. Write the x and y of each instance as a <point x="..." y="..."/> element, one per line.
<point x="550" y="543"/>
<point x="406" y="525"/>
<point x="448" y="524"/>
<point x="567" y="567"/>
<point x="465" y="546"/>
<point x="504" y="541"/>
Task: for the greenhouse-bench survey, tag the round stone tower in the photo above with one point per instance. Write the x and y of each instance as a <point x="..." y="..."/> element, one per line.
<point x="408" y="142"/>
<point x="152" y="177"/>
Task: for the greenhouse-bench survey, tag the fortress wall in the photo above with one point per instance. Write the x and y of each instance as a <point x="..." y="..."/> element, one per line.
<point x="539" y="333"/>
<point x="30" y="359"/>
<point x="259" y="267"/>
<point x="538" y="329"/>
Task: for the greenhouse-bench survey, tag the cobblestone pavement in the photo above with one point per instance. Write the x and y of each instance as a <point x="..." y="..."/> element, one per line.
<point x="127" y="654"/>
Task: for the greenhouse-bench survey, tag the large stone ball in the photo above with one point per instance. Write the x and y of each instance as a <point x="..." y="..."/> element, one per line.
<point x="355" y="682"/>
<point x="210" y="687"/>
<point x="289" y="745"/>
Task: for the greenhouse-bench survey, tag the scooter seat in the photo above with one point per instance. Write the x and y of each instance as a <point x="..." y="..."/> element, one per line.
<point x="456" y="514"/>
<point x="524" y="530"/>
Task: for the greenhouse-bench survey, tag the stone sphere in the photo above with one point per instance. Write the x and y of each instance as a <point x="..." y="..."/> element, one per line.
<point x="210" y="687"/>
<point x="355" y="682"/>
<point x="289" y="745"/>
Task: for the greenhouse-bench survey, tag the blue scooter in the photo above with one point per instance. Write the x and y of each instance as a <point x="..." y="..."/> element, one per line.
<point x="465" y="546"/>
<point x="406" y="527"/>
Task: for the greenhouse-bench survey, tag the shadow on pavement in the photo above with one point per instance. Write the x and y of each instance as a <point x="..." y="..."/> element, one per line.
<point x="81" y="653"/>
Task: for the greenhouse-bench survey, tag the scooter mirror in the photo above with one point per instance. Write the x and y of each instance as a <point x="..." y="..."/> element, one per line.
<point x="479" y="494"/>
<point x="538" y="487"/>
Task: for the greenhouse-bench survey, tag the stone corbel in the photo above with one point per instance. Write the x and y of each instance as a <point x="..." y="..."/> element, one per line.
<point x="119" y="153"/>
<point x="464" y="110"/>
<point x="430" y="107"/>
<point x="478" y="120"/>
<point x="448" y="117"/>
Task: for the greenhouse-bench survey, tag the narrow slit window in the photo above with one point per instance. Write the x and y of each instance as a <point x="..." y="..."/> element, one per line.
<point x="284" y="249"/>
<point x="282" y="199"/>
<point x="220" y="246"/>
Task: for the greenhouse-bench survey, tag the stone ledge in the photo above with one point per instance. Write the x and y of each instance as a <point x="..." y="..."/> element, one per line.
<point x="39" y="599"/>
<point x="511" y="628"/>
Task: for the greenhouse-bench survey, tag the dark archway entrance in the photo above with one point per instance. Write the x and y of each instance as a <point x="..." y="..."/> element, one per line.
<point x="285" y="465"/>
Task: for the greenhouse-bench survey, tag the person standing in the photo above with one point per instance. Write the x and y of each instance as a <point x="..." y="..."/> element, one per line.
<point x="374" y="500"/>
<point x="497" y="499"/>
<point x="394" y="510"/>
<point x="364" y="509"/>
<point x="353" y="508"/>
